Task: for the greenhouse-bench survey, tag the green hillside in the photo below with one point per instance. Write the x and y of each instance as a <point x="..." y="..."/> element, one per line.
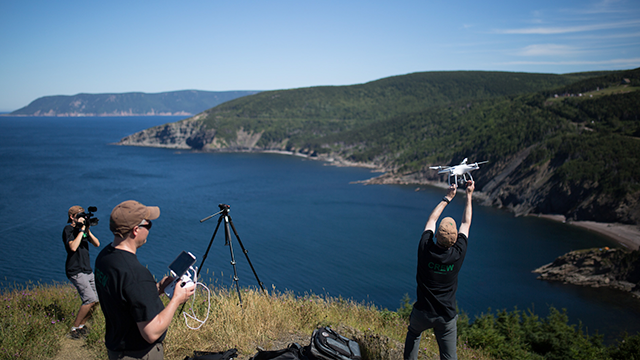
<point x="135" y="103"/>
<point x="387" y="97"/>
<point x="300" y="115"/>
<point x="562" y="144"/>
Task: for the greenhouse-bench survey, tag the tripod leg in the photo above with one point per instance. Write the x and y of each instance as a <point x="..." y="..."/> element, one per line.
<point x="233" y="259"/>
<point x="209" y="247"/>
<point x="246" y="254"/>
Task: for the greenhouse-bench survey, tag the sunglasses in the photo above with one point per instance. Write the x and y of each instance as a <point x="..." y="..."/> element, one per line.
<point x="147" y="225"/>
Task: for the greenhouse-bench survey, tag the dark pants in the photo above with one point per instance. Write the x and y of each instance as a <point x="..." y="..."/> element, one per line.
<point x="155" y="353"/>
<point x="446" y="334"/>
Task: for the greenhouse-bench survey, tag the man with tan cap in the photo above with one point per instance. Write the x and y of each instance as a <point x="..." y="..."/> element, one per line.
<point x="136" y="319"/>
<point x="438" y="265"/>
<point x="76" y="237"/>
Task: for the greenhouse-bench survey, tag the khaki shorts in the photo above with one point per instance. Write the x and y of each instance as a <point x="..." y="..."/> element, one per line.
<point x="86" y="286"/>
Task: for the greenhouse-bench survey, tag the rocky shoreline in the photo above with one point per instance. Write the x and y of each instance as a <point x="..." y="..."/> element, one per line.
<point x="600" y="267"/>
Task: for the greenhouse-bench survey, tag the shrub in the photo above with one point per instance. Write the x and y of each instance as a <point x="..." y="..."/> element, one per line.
<point x="513" y="335"/>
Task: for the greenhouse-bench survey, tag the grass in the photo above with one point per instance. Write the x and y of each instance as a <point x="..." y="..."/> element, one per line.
<point x="36" y="318"/>
<point x="612" y="90"/>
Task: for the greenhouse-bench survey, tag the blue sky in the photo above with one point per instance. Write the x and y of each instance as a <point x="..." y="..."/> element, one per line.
<point x="70" y="47"/>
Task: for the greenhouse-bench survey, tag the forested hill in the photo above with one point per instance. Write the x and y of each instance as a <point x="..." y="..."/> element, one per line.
<point x="557" y="144"/>
<point x="186" y="102"/>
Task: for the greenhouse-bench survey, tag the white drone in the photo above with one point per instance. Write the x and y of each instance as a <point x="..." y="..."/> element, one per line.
<point x="459" y="174"/>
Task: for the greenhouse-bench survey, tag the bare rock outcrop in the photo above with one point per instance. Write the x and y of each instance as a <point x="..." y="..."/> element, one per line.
<point x="186" y="134"/>
<point x="600" y="267"/>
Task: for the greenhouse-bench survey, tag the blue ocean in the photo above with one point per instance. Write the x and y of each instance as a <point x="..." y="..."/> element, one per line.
<point x="308" y="227"/>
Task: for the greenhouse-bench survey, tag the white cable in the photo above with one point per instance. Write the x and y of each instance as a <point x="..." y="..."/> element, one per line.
<point x="186" y="320"/>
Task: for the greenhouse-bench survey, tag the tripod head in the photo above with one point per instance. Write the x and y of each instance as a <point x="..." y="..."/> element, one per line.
<point x="224" y="210"/>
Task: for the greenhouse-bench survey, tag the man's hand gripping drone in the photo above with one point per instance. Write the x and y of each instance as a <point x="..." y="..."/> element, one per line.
<point x="458" y="174"/>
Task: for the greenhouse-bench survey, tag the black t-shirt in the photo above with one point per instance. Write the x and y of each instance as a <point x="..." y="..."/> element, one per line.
<point x="437" y="276"/>
<point x="77" y="261"/>
<point x="128" y="295"/>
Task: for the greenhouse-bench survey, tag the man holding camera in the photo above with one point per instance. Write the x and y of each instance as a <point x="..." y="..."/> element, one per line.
<point x="76" y="237"/>
<point x="136" y="319"/>
<point x="439" y="263"/>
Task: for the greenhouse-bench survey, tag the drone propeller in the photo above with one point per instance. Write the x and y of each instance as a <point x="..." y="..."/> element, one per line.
<point x="438" y="167"/>
<point x="482" y="162"/>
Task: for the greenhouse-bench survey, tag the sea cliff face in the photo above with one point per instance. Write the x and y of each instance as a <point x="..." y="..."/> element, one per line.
<point x="185" y="134"/>
<point x="601" y="267"/>
<point x="523" y="189"/>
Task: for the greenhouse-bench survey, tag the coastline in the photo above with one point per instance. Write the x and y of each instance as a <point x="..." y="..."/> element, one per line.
<point x="627" y="236"/>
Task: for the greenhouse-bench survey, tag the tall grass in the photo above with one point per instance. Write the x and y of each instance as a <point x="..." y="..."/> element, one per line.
<point x="36" y="319"/>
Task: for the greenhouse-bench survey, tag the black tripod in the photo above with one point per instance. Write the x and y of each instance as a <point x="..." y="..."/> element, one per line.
<point x="224" y="214"/>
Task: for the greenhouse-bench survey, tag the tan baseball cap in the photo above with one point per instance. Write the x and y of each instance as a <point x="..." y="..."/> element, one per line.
<point x="129" y="214"/>
<point x="447" y="232"/>
<point x="73" y="211"/>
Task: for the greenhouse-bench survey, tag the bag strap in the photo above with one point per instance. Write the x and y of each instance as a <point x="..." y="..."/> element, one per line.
<point x="294" y="348"/>
<point x="210" y="355"/>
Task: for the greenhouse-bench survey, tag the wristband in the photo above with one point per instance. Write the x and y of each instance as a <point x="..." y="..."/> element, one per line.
<point x="444" y="198"/>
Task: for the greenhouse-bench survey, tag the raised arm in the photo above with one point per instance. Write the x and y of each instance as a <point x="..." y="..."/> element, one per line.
<point x="466" y="215"/>
<point x="437" y="211"/>
<point x="92" y="238"/>
<point x="74" y="242"/>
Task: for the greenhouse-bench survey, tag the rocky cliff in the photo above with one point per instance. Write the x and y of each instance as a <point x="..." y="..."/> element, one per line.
<point x="513" y="184"/>
<point x="191" y="134"/>
<point x="602" y="267"/>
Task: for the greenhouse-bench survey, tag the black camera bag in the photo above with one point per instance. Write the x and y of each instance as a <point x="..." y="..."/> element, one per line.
<point x="327" y="344"/>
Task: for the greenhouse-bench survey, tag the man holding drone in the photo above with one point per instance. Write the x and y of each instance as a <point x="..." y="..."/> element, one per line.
<point x="439" y="263"/>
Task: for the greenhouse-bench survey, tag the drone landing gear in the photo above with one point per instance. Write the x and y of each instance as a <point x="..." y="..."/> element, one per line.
<point x="461" y="180"/>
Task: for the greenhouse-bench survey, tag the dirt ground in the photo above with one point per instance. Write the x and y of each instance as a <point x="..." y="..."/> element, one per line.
<point x="73" y="350"/>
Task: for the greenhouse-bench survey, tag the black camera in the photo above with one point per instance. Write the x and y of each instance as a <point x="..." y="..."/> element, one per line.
<point x="89" y="220"/>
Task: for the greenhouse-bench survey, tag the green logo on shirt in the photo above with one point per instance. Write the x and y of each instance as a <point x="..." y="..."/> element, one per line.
<point x="440" y="268"/>
<point x="100" y="278"/>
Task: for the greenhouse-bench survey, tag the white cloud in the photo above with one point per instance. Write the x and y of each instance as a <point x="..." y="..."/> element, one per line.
<point x="604" y="7"/>
<point x="630" y="63"/>
<point x="568" y="29"/>
<point x="547" y="50"/>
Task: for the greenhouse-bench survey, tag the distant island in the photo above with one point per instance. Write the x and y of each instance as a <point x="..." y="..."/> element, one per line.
<point x="185" y="102"/>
